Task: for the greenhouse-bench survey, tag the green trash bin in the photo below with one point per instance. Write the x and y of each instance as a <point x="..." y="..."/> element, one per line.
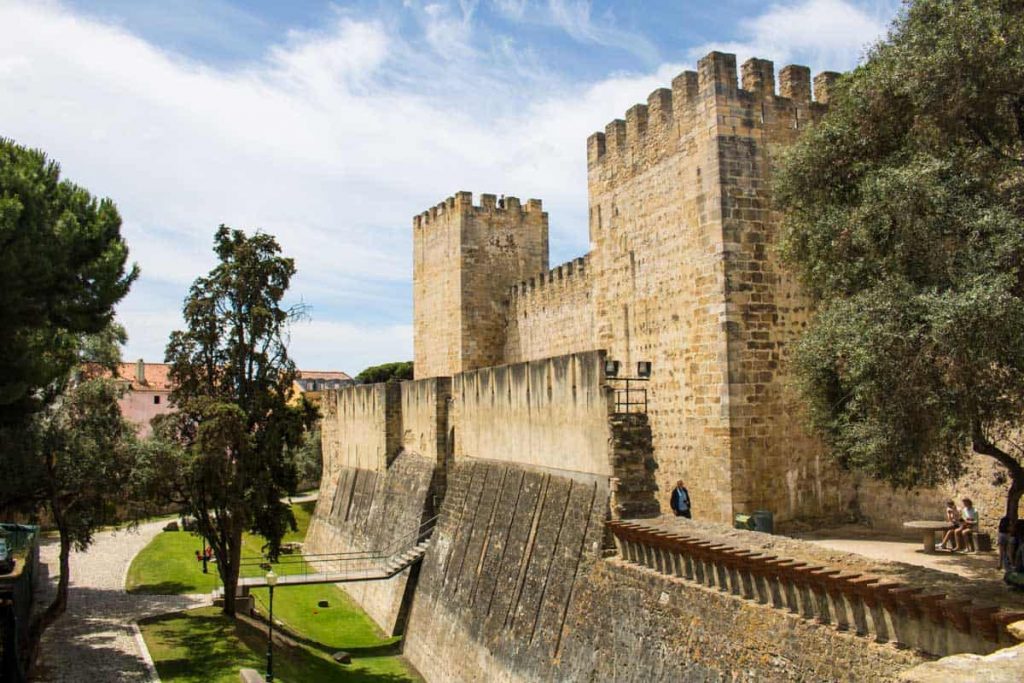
<point x="763" y="521"/>
<point x="742" y="521"/>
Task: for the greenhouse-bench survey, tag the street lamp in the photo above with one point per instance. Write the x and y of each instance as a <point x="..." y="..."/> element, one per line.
<point x="271" y="582"/>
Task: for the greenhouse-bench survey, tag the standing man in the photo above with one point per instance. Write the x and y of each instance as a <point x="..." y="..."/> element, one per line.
<point x="681" y="500"/>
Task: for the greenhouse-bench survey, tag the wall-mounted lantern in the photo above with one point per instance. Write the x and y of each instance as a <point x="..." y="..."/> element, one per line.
<point x="611" y="368"/>
<point x="643" y="369"/>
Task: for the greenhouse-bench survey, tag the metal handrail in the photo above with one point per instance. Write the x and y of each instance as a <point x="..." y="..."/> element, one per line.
<point x="363" y="560"/>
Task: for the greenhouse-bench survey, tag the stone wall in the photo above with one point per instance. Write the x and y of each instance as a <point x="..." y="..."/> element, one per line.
<point x="359" y="429"/>
<point x="551" y="413"/>
<point x="514" y="588"/>
<point x="686" y="276"/>
<point x="551" y="314"/>
<point x="424" y="417"/>
<point x="683" y="273"/>
<point x="885" y="508"/>
<point x="466" y="258"/>
<point x="507" y="557"/>
<point x="375" y="511"/>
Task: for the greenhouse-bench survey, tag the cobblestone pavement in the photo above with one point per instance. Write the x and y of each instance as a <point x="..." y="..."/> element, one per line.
<point x="95" y="641"/>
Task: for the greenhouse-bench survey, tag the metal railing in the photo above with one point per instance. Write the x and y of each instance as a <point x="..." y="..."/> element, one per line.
<point x="375" y="563"/>
<point x="628" y="397"/>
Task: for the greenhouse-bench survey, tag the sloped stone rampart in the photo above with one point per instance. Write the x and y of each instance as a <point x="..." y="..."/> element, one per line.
<point x="375" y="511"/>
<point x="514" y="588"/>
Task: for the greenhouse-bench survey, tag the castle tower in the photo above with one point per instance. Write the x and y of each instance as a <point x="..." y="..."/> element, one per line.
<point x="466" y="259"/>
<point x="686" y="276"/>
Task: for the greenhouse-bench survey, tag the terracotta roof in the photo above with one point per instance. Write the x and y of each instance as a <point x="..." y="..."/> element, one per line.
<point x="323" y="374"/>
<point x="155" y="376"/>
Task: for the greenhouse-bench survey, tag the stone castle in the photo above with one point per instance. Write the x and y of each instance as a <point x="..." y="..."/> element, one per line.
<point x="513" y="438"/>
<point x="681" y="273"/>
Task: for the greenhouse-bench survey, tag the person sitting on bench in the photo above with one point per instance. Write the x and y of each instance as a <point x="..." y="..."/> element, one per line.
<point x="968" y="525"/>
<point x="953" y="520"/>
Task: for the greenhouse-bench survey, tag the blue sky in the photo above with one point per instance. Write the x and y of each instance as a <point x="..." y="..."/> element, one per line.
<point x="330" y="124"/>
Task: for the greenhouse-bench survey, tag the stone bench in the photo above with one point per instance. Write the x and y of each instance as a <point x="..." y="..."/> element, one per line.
<point x="250" y="676"/>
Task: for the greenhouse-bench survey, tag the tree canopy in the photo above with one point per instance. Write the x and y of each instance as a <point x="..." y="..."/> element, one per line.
<point x="386" y="372"/>
<point x="63" y="267"/>
<point x="904" y="218"/>
<point x="234" y="428"/>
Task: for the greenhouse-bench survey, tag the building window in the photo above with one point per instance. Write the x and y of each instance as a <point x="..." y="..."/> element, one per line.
<point x="156" y="400"/>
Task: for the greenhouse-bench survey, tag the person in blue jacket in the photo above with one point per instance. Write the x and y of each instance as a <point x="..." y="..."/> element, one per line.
<point x="681" y="500"/>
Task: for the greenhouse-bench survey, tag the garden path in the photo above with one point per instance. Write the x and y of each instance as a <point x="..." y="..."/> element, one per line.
<point x="96" y="640"/>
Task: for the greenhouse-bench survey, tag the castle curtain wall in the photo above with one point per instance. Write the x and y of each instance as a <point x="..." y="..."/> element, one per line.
<point x="683" y="272"/>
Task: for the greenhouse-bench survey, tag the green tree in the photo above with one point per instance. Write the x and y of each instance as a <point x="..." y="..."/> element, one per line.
<point x="88" y="451"/>
<point x="73" y="453"/>
<point x="904" y="217"/>
<point x="386" y="372"/>
<point x="308" y="457"/>
<point x="62" y="270"/>
<point x="233" y="378"/>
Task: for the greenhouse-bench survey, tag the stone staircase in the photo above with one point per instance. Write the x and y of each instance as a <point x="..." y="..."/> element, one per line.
<point x="633" y="485"/>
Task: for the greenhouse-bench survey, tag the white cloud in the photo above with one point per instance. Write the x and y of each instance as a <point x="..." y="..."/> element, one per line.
<point x="824" y="34"/>
<point x="360" y="345"/>
<point x="332" y="142"/>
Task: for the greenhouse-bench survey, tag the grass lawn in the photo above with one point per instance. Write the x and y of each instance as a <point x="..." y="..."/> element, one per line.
<point x="201" y="645"/>
<point x="168" y="566"/>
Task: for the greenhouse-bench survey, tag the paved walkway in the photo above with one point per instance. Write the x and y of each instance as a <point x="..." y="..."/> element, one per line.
<point x="981" y="566"/>
<point x="95" y="640"/>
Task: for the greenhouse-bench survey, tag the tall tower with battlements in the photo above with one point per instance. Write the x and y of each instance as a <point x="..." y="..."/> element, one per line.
<point x="683" y="272"/>
<point x="466" y="259"/>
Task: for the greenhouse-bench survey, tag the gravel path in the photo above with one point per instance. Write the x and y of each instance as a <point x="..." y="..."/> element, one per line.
<point x="96" y="640"/>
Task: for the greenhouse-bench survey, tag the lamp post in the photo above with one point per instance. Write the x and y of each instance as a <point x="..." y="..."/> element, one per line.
<point x="271" y="582"/>
<point x="205" y="570"/>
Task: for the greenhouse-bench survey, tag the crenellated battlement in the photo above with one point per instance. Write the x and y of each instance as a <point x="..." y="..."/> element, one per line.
<point x="567" y="274"/>
<point x="462" y="202"/>
<point x="671" y="113"/>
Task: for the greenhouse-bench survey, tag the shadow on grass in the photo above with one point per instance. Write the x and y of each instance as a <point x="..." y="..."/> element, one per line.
<point x="164" y="588"/>
<point x="203" y="645"/>
<point x="392" y="649"/>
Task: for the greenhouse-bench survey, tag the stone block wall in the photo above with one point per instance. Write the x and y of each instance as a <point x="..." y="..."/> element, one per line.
<point x="359" y="429"/>
<point x="552" y="413"/>
<point x="424" y="417"/>
<point x="375" y="511"/>
<point x="507" y="557"/>
<point x="514" y="588"/>
<point x="683" y="272"/>
<point x="551" y="314"/>
<point x="686" y="276"/>
<point x="466" y="259"/>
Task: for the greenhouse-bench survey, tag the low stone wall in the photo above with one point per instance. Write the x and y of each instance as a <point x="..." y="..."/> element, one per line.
<point x="548" y="413"/>
<point x="514" y="588"/>
<point x="914" y="608"/>
<point x="984" y="482"/>
<point x="375" y="511"/>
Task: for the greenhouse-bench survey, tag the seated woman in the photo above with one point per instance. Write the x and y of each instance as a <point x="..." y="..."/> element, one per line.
<point x="953" y="520"/>
<point x="968" y="525"/>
